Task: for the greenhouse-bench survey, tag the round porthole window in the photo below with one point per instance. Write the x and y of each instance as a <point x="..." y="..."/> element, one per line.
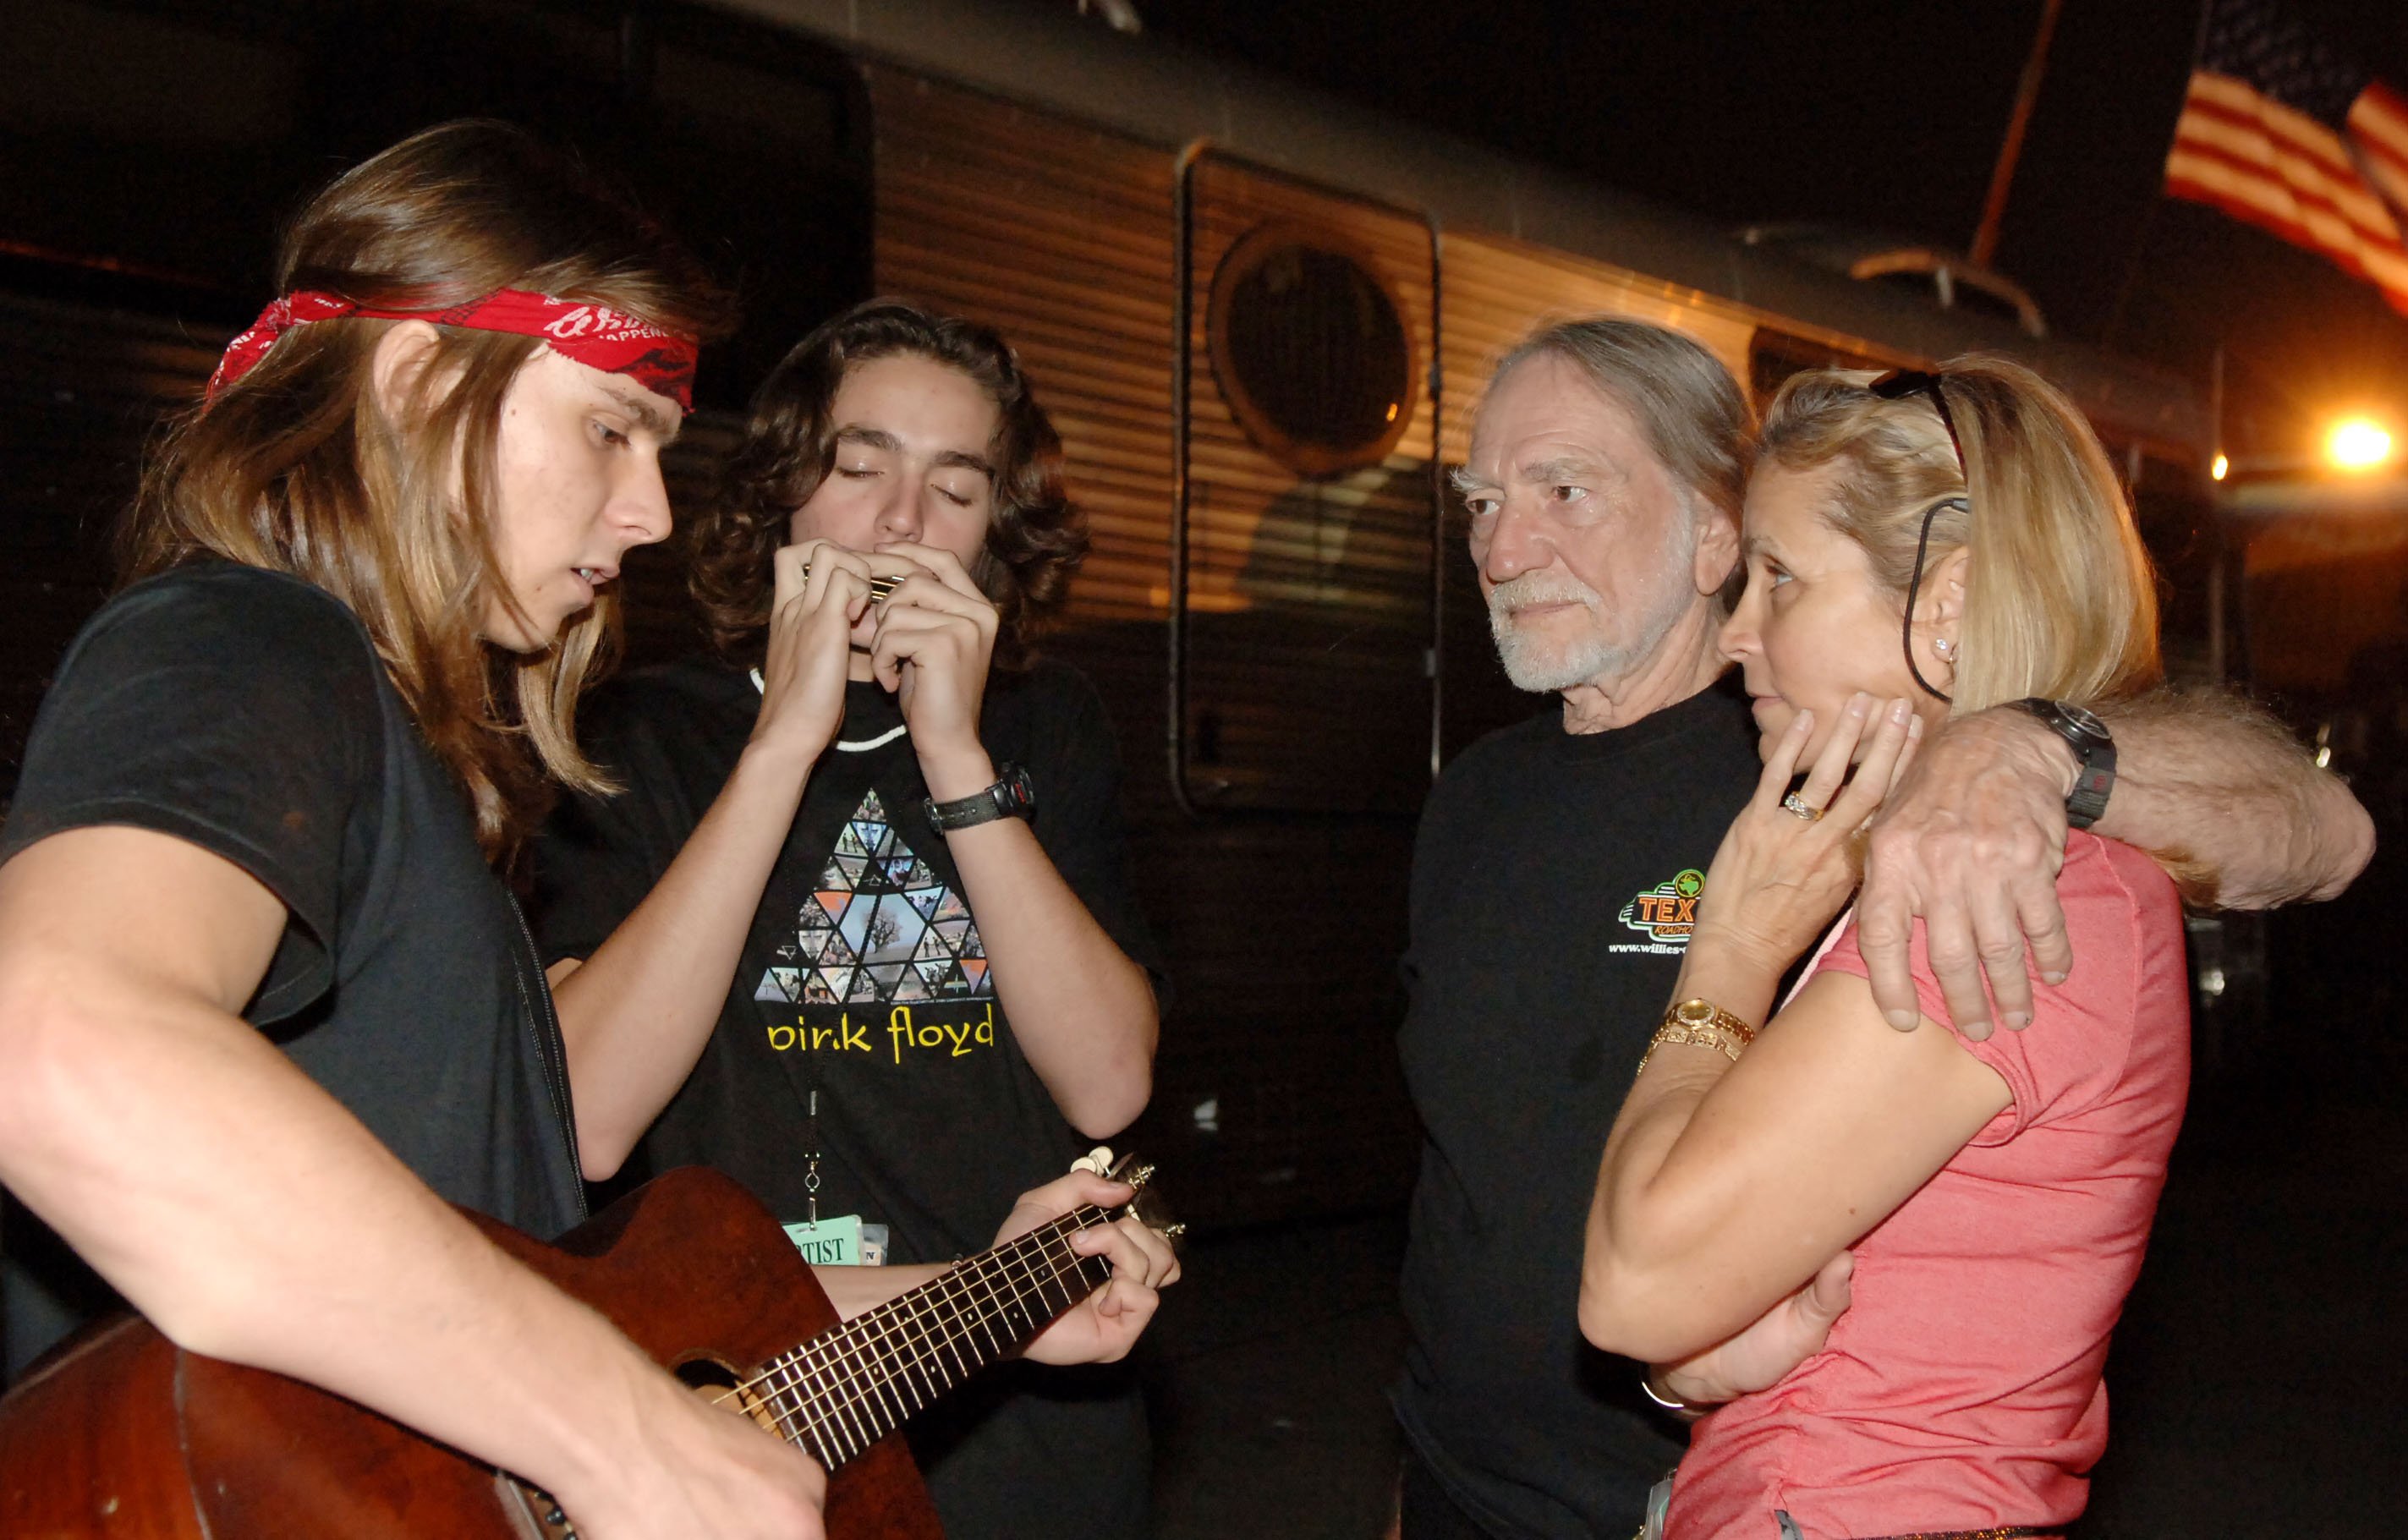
<point x="1310" y="349"/>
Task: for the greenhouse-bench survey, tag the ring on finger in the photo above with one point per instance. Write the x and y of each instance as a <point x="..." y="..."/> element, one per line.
<point x="1799" y="808"/>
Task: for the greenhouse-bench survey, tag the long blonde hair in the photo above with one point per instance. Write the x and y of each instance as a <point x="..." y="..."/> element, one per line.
<point x="2059" y="597"/>
<point x="298" y="468"/>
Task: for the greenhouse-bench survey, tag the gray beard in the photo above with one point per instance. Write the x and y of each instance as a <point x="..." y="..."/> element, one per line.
<point x="1544" y="668"/>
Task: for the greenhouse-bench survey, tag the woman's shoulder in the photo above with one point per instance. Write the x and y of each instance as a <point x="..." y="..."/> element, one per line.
<point x="2102" y="877"/>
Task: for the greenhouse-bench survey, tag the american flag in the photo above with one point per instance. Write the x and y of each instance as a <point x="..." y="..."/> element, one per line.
<point x="2283" y="133"/>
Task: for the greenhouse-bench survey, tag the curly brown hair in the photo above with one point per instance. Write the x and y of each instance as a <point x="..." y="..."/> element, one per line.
<point x="1035" y="540"/>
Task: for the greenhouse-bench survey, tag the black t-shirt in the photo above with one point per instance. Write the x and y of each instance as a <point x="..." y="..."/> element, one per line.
<point x="247" y="712"/>
<point x="1555" y="879"/>
<point x="864" y="981"/>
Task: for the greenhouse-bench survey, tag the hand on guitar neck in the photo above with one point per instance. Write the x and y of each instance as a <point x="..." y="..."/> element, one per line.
<point x="1100" y="1328"/>
<point x="124" y="1434"/>
<point x="1107" y="1323"/>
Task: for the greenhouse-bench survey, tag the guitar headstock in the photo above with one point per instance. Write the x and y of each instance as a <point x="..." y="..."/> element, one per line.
<point x="1147" y="1206"/>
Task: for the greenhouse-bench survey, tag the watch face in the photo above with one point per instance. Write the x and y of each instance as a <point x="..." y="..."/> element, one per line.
<point x="2082" y="721"/>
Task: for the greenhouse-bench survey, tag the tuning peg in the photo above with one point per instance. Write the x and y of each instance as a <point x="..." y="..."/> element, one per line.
<point x="1172" y="1232"/>
<point x="1141" y="1176"/>
<point x="1098" y="1160"/>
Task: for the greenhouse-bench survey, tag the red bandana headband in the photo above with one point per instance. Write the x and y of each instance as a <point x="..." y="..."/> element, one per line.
<point x="603" y="338"/>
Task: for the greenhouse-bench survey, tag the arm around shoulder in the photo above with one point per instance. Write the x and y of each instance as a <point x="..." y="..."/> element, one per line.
<point x="2230" y="803"/>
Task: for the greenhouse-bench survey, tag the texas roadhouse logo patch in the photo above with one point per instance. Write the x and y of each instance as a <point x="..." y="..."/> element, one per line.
<point x="1664" y="914"/>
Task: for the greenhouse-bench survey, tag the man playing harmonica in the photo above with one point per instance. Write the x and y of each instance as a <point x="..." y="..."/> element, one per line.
<point x="859" y="930"/>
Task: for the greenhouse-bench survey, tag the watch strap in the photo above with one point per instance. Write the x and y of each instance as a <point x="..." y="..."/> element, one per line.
<point x="1012" y="795"/>
<point x="2094" y="756"/>
<point x="2087" y="801"/>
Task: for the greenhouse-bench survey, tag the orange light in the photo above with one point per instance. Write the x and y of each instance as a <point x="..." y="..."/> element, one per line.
<point x="2220" y="469"/>
<point x="2358" y="444"/>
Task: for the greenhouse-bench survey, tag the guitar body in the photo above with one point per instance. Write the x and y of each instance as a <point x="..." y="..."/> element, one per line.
<point x="122" y="1435"/>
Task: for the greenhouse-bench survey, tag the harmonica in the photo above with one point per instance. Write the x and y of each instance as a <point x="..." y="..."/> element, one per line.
<point x="878" y="587"/>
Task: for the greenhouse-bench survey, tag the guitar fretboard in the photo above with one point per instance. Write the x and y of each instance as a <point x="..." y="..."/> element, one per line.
<point x="844" y="1390"/>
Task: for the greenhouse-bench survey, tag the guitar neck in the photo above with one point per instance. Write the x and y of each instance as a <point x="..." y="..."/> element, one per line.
<point x="844" y="1390"/>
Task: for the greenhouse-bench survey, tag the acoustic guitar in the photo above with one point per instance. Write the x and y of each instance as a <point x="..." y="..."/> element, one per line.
<point x="122" y="1434"/>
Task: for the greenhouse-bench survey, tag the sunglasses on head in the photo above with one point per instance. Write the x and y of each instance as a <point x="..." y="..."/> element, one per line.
<point x="1894" y="386"/>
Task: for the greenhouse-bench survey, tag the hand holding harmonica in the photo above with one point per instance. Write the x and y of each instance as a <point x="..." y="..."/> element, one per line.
<point x="879" y="587"/>
<point x="811" y="649"/>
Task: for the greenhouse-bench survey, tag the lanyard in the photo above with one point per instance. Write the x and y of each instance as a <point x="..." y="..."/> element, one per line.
<point x="812" y="1158"/>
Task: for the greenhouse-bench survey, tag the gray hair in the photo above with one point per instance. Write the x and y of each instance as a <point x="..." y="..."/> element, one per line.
<point x="1691" y="412"/>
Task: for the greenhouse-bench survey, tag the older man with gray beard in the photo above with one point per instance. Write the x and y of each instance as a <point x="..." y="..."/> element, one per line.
<point x="1556" y="878"/>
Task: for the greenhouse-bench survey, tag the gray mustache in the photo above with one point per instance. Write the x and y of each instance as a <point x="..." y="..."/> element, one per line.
<point x="1539" y="588"/>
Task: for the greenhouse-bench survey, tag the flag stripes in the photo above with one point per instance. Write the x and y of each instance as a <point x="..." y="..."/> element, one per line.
<point x="2263" y="136"/>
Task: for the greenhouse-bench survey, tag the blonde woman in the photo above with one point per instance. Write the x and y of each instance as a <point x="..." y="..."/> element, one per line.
<point x="1916" y="547"/>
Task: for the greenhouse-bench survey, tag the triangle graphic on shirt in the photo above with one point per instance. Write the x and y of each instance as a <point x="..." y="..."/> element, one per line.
<point x="881" y="926"/>
<point x="783" y="984"/>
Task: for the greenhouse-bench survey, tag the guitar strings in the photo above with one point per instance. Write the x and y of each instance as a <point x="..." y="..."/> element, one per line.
<point x="865" y="1411"/>
<point x="869" y="1341"/>
<point x="887" y="1317"/>
<point x="875" y="1403"/>
<point x="854" y="1420"/>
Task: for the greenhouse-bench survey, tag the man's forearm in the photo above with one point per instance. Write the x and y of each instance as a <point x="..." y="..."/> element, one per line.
<point x="636" y="1014"/>
<point x="1081" y="1012"/>
<point x="2229" y="804"/>
<point x="255" y="1220"/>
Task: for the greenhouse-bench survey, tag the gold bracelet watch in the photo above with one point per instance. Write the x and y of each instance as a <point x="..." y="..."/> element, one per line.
<point x="1701" y="1022"/>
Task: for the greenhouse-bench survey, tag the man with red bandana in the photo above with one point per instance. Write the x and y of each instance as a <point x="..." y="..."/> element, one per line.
<point x="267" y="1011"/>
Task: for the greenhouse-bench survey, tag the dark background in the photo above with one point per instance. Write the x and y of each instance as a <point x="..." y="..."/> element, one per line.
<point x="1887" y="115"/>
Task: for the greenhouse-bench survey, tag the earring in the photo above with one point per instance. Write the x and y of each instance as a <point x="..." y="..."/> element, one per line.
<point x="1944" y="650"/>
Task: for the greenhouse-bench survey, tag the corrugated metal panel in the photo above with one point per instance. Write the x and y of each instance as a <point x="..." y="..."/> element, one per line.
<point x="1060" y="237"/>
<point x="1308" y="599"/>
<point x="1281" y="932"/>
